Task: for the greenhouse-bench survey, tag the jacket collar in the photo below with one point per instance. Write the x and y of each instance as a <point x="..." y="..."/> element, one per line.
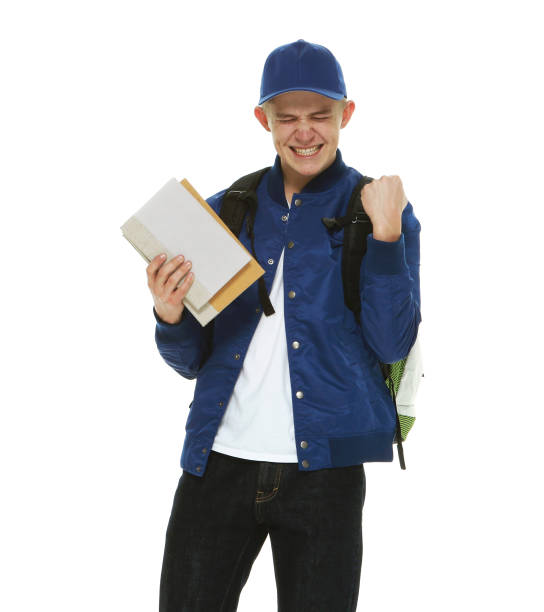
<point x="323" y="181"/>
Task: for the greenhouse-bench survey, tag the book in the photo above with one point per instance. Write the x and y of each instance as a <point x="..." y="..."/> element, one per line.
<point x="177" y="220"/>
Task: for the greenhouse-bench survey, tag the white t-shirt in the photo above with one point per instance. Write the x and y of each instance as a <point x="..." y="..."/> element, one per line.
<point x="258" y="421"/>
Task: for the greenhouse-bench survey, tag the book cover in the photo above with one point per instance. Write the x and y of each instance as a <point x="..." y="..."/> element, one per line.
<point x="178" y="220"/>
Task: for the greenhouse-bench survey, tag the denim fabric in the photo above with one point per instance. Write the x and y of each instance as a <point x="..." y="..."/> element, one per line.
<point x="219" y="522"/>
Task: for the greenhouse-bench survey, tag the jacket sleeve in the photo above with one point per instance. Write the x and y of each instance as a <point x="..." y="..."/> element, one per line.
<point x="186" y="345"/>
<point x="390" y="292"/>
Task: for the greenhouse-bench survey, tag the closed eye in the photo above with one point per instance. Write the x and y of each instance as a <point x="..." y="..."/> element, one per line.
<point x="292" y="119"/>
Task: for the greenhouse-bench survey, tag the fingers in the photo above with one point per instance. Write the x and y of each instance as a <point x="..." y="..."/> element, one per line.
<point x="177" y="296"/>
<point x="166" y="269"/>
<point x="152" y="268"/>
<point x="162" y="277"/>
<point x="174" y="278"/>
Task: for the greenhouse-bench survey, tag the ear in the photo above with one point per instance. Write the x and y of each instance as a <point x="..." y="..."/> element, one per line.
<point x="261" y="117"/>
<point x="347" y="112"/>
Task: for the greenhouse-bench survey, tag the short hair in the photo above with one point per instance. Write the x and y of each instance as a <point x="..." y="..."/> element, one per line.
<point x="267" y="105"/>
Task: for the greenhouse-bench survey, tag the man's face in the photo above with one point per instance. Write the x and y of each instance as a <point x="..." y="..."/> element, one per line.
<point x="305" y="129"/>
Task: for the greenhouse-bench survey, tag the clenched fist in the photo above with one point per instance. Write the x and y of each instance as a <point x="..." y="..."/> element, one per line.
<point x="383" y="201"/>
<point x="162" y="279"/>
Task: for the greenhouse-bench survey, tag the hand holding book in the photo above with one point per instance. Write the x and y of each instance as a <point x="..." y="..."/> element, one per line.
<point x="178" y="220"/>
<point x="163" y="279"/>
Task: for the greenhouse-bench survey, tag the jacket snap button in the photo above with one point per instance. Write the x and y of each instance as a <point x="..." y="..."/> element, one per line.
<point x="284" y="217"/>
<point x="305" y="463"/>
<point x="296" y="344"/>
<point x="290" y="244"/>
<point x="220" y="403"/>
<point x="204" y="450"/>
<point x="299" y="394"/>
<point x="291" y="294"/>
<point x="237" y="356"/>
<point x="304" y="444"/>
<point x="198" y="468"/>
<point x="271" y="261"/>
<point x="257" y="310"/>
<point x="298" y="202"/>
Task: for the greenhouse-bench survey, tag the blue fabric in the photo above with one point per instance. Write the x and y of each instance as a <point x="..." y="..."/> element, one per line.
<point x="302" y="66"/>
<point x="346" y="415"/>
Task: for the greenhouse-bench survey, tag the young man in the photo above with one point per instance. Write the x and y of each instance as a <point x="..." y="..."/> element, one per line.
<point x="288" y="407"/>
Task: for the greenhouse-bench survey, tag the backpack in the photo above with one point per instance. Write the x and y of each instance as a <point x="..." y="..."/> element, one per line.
<point x="402" y="377"/>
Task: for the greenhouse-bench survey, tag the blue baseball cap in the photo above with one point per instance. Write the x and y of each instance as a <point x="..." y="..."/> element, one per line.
<point x="302" y="65"/>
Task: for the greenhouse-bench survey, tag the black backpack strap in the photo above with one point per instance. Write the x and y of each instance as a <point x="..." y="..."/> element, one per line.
<point x="386" y="371"/>
<point x="237" y="200"/>
<point x="357" y="226"/>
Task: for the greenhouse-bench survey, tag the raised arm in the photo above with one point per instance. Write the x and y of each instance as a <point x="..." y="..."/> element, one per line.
<point x="390" y="293"/>
<point x="389" y="282"/>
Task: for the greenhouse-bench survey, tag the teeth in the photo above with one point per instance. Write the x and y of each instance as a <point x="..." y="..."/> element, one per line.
<point x="307" y="151"/>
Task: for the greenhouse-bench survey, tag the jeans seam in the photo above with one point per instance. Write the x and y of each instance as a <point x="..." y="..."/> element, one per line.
<point x="274" y="490"/>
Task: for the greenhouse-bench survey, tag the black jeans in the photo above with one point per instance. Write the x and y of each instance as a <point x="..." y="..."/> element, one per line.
<point x="220" y="520"/>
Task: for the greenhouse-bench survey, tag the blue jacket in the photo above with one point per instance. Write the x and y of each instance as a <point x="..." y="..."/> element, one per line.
<point x="343" y="412"/>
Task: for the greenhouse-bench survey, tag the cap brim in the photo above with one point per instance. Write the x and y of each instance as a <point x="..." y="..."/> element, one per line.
<point x="324" y="92"/>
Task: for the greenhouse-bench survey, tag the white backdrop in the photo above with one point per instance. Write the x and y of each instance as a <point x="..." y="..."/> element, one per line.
<point x="102" y="103"/>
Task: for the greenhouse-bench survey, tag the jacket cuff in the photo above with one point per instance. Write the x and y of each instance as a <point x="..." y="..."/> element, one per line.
<point x="170" y="328"/>
<point x="385" y="257"/>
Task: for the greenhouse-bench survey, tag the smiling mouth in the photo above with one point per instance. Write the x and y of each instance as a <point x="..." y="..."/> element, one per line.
<point x="306" y="152"/>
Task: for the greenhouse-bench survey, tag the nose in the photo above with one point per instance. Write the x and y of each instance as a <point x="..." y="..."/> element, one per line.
<point x="304" y="134"/>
